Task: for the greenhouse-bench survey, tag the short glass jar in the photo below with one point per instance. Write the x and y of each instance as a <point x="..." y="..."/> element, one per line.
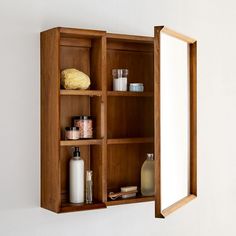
<point x="72" y="133"/>
<point x="136" y="87"/>
<point x="120" y="79"/>
<point x="85" y="125"/>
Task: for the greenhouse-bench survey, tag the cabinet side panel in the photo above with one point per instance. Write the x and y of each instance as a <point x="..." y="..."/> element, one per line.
<point x="157" y="147"/>
<point x="50" y="126"/>
<point x="193" y="118"/>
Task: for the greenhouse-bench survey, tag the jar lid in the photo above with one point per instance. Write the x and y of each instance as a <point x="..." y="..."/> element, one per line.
<point x="120" y="72"/>
<point x="71" y="128"/>
<point x="136" y="84"/>
<point x="81" y="117"/>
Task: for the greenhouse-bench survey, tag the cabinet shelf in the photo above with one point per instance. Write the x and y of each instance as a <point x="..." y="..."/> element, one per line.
<point x="130" y="140"/>
<point x="65" y="92"/>
<point x="81" y="142"/>
<point x="136" y="199"/>
<point x="69" y="207"/>
<point x="129" y="94"/>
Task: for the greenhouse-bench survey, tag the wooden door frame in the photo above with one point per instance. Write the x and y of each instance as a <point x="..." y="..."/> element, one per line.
<point x="159" y="213"/>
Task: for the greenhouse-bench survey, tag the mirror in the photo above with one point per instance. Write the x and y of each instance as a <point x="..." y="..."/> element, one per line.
<point x="174" y="120"/>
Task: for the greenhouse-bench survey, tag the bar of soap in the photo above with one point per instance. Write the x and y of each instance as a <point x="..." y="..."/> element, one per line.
<point x="127" y="189"/>
<point x="74" y="79"/>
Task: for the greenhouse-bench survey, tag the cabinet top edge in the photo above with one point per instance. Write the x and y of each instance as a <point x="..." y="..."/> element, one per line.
<point x="64" y="31"/>
<point x="77" y="31"/>
<point x="130" y="38"/>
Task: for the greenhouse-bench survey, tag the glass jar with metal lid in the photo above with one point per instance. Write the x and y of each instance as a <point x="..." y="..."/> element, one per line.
<point x="136" y="87"/>
<point x="71" y="133"/>
<point x="85" y="125"/>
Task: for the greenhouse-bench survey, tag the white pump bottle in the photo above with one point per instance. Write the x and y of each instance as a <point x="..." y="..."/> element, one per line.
<point x="76" y="178"/>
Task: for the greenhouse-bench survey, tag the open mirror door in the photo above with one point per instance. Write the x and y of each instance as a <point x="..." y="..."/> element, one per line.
<point x="175" y="120"/>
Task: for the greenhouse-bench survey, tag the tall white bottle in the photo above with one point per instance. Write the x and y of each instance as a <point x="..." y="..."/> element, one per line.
<point x="76" y="178"/>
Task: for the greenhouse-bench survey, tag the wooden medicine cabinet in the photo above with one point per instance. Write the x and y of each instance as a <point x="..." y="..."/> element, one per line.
<point x="160" y="120"/>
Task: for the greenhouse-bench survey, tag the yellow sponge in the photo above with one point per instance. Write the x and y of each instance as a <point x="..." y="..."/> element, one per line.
<point x="74" y="79"/>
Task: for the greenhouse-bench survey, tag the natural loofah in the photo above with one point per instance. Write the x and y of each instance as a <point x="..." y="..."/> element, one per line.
<point x="74" y="79"/>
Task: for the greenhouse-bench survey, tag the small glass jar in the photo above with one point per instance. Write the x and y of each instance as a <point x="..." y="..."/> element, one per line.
<point x="136" y="87"/>
<point x="72" y="133"/>
<point x="120" y="79"/>
<point x="85" y="125"/>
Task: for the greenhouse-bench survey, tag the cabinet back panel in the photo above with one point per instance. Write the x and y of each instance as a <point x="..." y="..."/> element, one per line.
<point x="139" y="63"/>
<point x="72" y="106"/>
<point x="80" y="105"/>
<point x="96" y="113"/>
<point x="76" y="42"/>
<point x="96" y="167"/>
<point x="129" y="117"/>
<point x="76" y="57"/>
<point x="83" y="55"/>
<point x="124" y="164"/>
<point x="129" y="46"/>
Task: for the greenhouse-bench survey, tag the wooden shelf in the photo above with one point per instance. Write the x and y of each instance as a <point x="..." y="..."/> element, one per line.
<point x="69" y="207"/>
<point x="65" y="92"/>
<point x="81" y="142"/>
<point x="130" y="140"/>
<point x="129" y="94"/>
<point x="136" y="199"/>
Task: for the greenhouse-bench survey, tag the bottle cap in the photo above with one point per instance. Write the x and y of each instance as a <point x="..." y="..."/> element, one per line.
<point x="76" y="152"/>
<point x="150" y="156"/>
<point x="81" y="118"/>
<point x="72" y="128"/>
<point x="89" y="174"/>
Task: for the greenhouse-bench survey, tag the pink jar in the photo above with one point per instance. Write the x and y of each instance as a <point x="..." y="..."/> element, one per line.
<point x="85" y="125"/>
<point x="71" y="133"/>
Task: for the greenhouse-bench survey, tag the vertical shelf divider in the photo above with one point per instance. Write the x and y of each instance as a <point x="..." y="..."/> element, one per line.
<point x="104" y="118"/>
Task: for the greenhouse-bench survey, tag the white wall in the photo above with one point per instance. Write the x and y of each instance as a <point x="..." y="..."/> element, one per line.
<point x="211" y="22"/>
